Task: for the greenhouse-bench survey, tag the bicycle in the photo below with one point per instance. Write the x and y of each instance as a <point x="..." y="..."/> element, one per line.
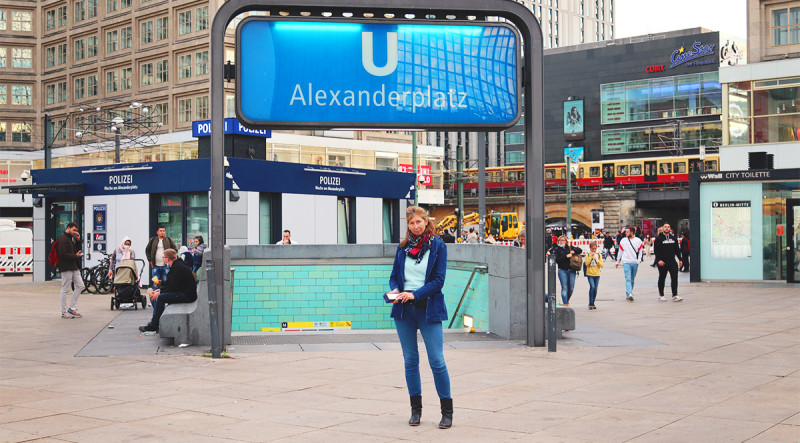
<point x="99" y="275"/>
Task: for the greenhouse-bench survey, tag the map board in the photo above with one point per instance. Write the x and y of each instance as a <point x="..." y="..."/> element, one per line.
<point x="730" y="229"/>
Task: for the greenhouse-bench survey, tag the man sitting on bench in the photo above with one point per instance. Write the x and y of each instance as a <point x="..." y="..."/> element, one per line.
<point x="178" y="287"/>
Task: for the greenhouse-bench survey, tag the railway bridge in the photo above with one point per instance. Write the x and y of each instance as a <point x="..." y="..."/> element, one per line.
<point x="620" y="206"/>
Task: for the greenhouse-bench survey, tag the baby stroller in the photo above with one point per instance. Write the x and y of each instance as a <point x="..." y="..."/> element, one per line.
<point x="126" y="285"/>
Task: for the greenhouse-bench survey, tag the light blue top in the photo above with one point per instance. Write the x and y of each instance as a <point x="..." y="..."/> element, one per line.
<point x="415" y="272"/>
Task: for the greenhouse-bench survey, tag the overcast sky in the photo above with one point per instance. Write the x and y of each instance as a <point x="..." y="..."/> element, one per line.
<point x="640" y="17"/>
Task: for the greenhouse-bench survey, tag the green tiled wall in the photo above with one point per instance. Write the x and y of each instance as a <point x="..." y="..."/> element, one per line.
<point x="267" y="295"/>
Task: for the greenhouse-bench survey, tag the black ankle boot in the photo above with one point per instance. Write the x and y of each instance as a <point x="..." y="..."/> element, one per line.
<point x="447" y="413"/>
<point x="416" y="410"/>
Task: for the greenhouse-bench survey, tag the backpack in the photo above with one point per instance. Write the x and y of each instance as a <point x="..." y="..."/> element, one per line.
<point x="52" y="258"/>
<point x="576" y="262"/>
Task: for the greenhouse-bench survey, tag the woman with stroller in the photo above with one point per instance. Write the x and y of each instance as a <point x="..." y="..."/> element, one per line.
<point x="122" y="252"/>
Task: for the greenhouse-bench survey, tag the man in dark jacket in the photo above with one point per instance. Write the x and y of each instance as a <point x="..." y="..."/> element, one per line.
<point x="608" y="244"/>
<point x="69" y="264"/>
<point x="178" y="287"/>
<point x="155" y="250"/>
<point x="666" y="249"/>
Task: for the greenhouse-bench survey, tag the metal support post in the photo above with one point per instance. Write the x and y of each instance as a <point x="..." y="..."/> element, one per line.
<point x="116" y="146"/>
<point x="415" y="166"/>
<point x="552" y="333"/>
<point x="460" y="175"/>
<point x="568" y="160"/>
<point x="481" y="194"/>
<point x="216" y="344"/>
<point x="48" y="140"/>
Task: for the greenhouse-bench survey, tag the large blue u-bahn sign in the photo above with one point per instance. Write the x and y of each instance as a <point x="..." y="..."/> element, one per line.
<point x="293" y="73"/>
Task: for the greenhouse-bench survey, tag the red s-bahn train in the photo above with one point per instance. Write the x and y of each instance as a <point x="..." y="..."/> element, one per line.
<point x="652" y="171"/>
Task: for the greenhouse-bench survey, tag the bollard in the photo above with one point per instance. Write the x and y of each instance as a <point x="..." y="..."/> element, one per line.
<point x="552" y="333"/>
<point x="216" y="348"/>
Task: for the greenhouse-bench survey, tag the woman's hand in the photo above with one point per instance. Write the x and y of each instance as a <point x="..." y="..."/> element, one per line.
<point x="404" y="297"/>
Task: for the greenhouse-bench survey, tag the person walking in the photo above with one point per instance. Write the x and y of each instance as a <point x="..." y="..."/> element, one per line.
<point x="648" y="246"/>
<point x="630" y="255"/>
<point x="593" y="262"/>
<point x="667" y="248"/>
<point x="69" y="260"/>
<point x="608" y="244"/>
<point x="417" y="279"/>
<point x="685" y="252"/>
<point x="122" y="252"/>
<point x="155" y="254"/>
<point x="566" y="275"/>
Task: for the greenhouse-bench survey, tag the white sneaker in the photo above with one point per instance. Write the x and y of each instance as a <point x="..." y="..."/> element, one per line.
<point x="677" y="298"/>
<point x="630" y="297"/>
<point x="662" y="298"/>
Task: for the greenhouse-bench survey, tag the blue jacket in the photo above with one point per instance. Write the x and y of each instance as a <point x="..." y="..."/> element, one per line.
<point x="434" y="281"/>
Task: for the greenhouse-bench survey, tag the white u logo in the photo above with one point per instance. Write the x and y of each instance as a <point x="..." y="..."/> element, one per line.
<point x="391" y="54"/>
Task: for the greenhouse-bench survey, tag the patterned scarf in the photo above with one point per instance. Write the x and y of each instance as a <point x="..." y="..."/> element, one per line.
<point x="417" y="246"/>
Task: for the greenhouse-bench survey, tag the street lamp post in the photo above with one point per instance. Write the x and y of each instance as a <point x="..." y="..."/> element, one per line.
<point x="568" y="161"/>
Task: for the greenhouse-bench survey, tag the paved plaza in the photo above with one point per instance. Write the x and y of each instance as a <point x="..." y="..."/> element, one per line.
<point x="723" y="365"/>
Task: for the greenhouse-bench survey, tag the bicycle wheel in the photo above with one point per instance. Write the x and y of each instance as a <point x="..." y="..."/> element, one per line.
<point x="88" y="282"/>
<point x="101" y="280"/>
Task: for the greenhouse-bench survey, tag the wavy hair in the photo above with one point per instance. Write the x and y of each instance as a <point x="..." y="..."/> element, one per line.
<point x="413" y="211"/>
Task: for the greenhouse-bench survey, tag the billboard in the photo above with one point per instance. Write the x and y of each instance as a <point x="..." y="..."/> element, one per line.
<point x="293" y="73"/>
<point x="573" y="120"/>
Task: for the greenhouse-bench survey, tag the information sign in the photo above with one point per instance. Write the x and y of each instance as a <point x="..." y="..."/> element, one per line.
<point x="293" y="73"/>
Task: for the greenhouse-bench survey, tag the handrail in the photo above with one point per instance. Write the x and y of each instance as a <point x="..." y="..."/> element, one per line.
<point x="483" y="269"/>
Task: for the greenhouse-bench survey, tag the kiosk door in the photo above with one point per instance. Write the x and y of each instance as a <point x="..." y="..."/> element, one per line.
<point x="792" y="233"/>
<point x="61" y="213"/>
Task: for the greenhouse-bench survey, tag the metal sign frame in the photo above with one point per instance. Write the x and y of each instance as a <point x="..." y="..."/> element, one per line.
<point x="380" y="125"/>
<point x="415" y="11"/>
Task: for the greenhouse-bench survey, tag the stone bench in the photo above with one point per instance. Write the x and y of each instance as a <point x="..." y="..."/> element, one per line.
<point x="188" y="323"/>
<point x="175" y="321"/>
<point x="565" y="320"/>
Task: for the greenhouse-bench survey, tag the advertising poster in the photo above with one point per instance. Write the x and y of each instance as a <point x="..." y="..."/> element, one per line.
<point x="575" y="156"/>
<point x="730" y="229"/>
<point x="598" y="219"/>
<point x="573" y="120"/>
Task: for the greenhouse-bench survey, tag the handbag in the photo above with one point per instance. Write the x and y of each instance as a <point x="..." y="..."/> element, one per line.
<point x="576" y="262"/>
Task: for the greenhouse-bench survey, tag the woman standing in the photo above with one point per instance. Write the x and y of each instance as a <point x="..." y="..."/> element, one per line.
<point x="593" y="262"/>
<point x="566" y="276"/>
<point x="648" y="244"/>
<point x="417" y="278"/>
<point x="122" y="252"/>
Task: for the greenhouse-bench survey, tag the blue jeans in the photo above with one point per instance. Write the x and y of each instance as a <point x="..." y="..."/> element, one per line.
<point x="593" y="282"/>
<point x="630" y="276"/>
<point x="413" y="319"/>
<point x="567" y="279"/>
<point x="608" y="252"/>
<point x="161" y="273"/>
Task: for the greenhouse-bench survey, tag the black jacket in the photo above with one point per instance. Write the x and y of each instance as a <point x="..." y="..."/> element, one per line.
<point x="561" y="255"/>
<point x="68" y="259"/>
<point x="180" y="279"/>
<point x="608" y="243"/>
<point x="666" y="248"/>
